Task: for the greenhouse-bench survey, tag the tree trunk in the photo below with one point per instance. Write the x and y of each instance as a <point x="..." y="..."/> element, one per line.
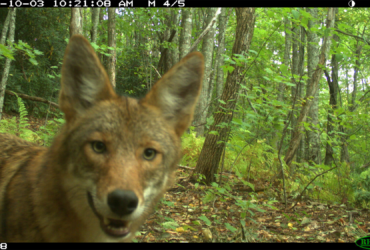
<point x="294" y="70"/>
<point x="201" y="110"/>
<point x="174" y="52"/>
<point x="288" y="47"/>
<point x="300" y="151"/>
<point x="6" y="27"/>
<point x="224" y="17"/>
<point x="355" y="69"/>
<point x="76" y="22"/>
<point x="312" y="142"/>
<point x="4" y="79"/>
<point x="112" y="43"/>
<point x="103" y="58"/>
<point x="209" y="28"/>
<point x="95" y="22"/>
<point x="212" y="150"/>
<point x="166" y="59"/>
<point x="286" y="62"/>
<point x="185" y="36"/>
<point x="311" y="90"/>
<point x="333" y="83"/>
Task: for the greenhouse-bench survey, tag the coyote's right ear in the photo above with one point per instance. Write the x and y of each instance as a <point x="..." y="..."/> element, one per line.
<point x="84" y="80"/>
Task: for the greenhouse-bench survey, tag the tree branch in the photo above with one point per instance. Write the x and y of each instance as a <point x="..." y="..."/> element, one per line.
<point x="32" y="98"/>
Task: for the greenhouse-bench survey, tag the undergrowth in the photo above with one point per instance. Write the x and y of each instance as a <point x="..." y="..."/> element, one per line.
<point x="21" y="127"/>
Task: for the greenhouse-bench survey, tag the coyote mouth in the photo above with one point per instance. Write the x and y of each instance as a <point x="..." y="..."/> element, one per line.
<point x="112" y="227"/>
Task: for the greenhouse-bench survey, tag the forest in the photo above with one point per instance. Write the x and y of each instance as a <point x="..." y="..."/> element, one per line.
<point x="278" y="150"/>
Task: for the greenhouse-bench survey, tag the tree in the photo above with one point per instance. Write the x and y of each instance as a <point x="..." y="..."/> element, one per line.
<point x="95" y="22"/>
<point x="312" y="142"/>
<point x="207" y="50"/>
<point x="311" y="90"/>
<point x="333" y="90"/>
<point x="174" y="52"/>
<point x="300" y="86"/>
<point x="294" y="89"/>
<point x="212" y="150"/>
<point x="224" y="17"/>
<point x="9" y="25"/>
<point x="76" y="22"/>
<point x="185" y="36"/>
<point x="112" y="43"/>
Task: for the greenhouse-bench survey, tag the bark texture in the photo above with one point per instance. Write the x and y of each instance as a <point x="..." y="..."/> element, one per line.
<point x="212" y="150"/>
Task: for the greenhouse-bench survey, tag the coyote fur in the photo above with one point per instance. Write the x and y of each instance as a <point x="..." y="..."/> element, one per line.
<point x="111" y="163"/>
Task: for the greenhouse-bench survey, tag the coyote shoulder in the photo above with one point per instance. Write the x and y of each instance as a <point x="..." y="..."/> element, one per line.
<point x="111" y="162"/>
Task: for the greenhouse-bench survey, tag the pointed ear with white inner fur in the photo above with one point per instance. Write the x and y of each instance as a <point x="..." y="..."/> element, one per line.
<point x="84" y="80"/>
<point x="176" y="93"/>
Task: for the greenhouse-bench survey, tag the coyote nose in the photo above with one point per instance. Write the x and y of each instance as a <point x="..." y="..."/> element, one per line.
<point x="122" y="202"/>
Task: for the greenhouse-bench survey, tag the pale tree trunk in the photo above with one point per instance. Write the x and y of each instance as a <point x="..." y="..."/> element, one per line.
<point x="185" y="36"/>
<point x="347" y="84"/>
<point x="300" y="150"/>
<point x="355" y="74"/>
<point x="167" y="60"/>
<point x="103" y="58"/>
<point x="6" y="27"/>
<point x="312" y="142"/>
<point x="203" y="102"/>
<point x="211" y="152"/>
<point x="288" y="47"/>
<point x="224" y="17"/>
<point x="4" y="79"/>
<point x="95" y="22"/>
<point x="112" y="43"/>
<point x="333" y="102"/>
<point x="75" y="26"/>
<point x="174" y="52"/>
<point x="311" y="90"/>
<point x="294" y="70"/>
<point x="209" y="28"/>
<point x="286" y="62"/>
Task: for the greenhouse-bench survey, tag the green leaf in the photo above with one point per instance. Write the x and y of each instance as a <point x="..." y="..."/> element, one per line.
<point x="33" y="61"/>
<point x="206" y="220"/>
<point x="231" y="228"/>
<point x="338" y="57"/>
<point x="296" y="14"/>
<point x="213" y="132"/>
<point x="268" y="70"/>
<point x="270" y="13"/>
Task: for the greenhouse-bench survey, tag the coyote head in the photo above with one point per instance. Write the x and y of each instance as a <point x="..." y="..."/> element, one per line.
<point x="119" y="153"/>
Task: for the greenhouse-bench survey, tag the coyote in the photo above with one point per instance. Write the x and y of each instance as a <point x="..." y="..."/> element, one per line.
<point x="111" y="162"/>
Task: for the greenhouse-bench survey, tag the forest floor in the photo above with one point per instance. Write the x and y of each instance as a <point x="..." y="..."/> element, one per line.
<point x="308" y="221"/>
<point x="182" y="216"/>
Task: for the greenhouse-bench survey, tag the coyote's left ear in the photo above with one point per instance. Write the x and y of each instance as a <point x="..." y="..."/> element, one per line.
<point x="176" y="93"/>
<point x="84" y="80"/>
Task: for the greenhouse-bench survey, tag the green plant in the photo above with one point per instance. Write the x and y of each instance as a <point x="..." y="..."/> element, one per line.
<point x="19" y="128"/>
<point x="48" y="131"/>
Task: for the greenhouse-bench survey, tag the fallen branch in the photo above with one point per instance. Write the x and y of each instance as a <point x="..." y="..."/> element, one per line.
<point x="33" y="98"/>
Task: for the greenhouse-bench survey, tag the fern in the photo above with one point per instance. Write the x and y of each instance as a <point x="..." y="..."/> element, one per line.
<point x="22" y="130"/>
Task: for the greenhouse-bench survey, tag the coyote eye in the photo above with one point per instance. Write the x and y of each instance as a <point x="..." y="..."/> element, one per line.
<point x="149" y="154"/>
<point x="98" y="147"/>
